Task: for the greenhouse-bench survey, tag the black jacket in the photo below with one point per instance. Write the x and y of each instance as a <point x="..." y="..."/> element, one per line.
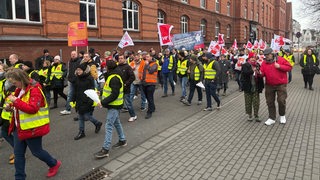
<point x="115" y="85"/>
<point x="127" y="76"/>
<point x="72" y="66"/>
<point x="247" y="77"/>
<point x="83" y="103"/>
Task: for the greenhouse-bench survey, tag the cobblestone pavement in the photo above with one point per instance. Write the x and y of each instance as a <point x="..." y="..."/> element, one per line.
<point x="222" y="144"/>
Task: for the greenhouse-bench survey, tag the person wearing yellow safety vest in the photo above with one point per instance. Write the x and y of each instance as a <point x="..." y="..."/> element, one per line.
<point x="112" y="99"/>
<point x="195" y="74"/>
<point x="167" y="72"/>
<point x="44" y="76"/>
<point x="211" y="74"/>
<point x="28" y="67"/>
<point x="5" y="89"/>
<point x="30" y="113"/>
<point x="159" y="62"/>
<point x="290" y="58"/>
<point x="182" y="68"/>
<point x="149" y="80"/>
<point x="15" y="61"/>
<point x="58" y="73"/>
<point x="308" y="63"/>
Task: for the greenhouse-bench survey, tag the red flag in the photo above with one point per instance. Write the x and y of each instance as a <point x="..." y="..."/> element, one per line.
<point x="215" y="50"/>
<point x="220" y="39"/>
<point x="224" y="51"/>
<point x="279" y="40"/>
<point x="164" y="31"/>
<point x="262" y="45"/>
<point x="255" y="44"/>
<point x="249" y="45"/>
<point x="125" y="41"/>
<point x="235" y="45"/>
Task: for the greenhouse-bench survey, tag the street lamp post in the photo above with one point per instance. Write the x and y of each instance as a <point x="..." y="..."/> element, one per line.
<point x="298" y="35"/>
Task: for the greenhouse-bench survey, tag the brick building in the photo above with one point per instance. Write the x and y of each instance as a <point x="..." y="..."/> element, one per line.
<point x="29" y="26"/>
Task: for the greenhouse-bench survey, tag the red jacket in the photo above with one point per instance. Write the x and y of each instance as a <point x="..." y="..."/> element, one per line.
<point x="273" y="75"/>
<point x="35" y="102"/>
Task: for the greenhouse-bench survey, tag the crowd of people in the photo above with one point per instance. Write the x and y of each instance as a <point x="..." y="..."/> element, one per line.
<point x="118" y="78"/>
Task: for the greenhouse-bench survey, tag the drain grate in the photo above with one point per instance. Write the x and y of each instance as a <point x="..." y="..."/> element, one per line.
<point x="96" y="174"/>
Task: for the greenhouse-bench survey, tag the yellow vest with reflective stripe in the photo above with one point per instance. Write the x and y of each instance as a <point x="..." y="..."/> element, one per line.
<point x="170" y="65"/>
<point x="182" y="67"/>
<point x="305" y="59"/>
<point x="6" y="115"/>
<point x="209" y="72"/>
<point x="30" y="121"/>
<point x="56" y="71"/>
<point x="17" y="65"/>
<point x="2" y="95"/>
<point x="196" y="73"/>
<point x="159" y="67"/>
<point x="43" y="72"/>
<point x="289" y="59"/>
<point x="107" y="91"/>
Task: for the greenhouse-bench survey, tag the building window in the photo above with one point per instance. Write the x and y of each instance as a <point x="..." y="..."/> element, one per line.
<point x="203" y="3"/>
<point x="217" y="5"/>
<point x="203" y="27"/>
<point x="245" y="32"/>
<point x="245" y="12"/>
<point x="20" y="10"/>
<point x="257" y="17"/>
<point x="161" y="16"/>
<point x="228" y="8"/>
<point x="88" y="12"/>
<point x="217" y="29"/>
<point x="184" y="24"/>
<point x="251" y="15"/>
<point x="184" y="1"/>
<point x="228" y="31"/>
<point x="130" y="13"/>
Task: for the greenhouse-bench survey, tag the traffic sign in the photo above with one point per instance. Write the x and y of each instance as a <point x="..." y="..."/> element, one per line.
<point x="298" y="34"/>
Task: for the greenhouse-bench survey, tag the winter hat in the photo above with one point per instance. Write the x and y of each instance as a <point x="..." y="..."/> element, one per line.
<point x="194" y="57"/>
<point x="209" y="55"/>
<point x="111" y="65"/>
<point x="28" y="63"/>
<point x="267" y="51"/>
<point x="45" y="51"/>
<point x="82" y="66"/>
<point x="251" y="55"/>
<point x="57" y="57"/>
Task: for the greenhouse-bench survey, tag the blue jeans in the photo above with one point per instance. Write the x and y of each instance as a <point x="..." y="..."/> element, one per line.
<point x="133" y="90"/>
<point x="183" y="82"/>
<point x="87" y="115"/>
<point x="211" y="90"/>
<point x="289" y="76"/>
<point x="167" y="76"/>
<point x="149" y="92"/>
<point x="70" y="94"/>
<point x="113" y="120"/>
<point x="35" y="146"/>
<point x="128" y="102"/>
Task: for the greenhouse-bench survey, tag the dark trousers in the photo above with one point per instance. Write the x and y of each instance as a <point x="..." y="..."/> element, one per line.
<point x="4" y="132"/>
<point x="270" y="93"/>
<point x="238" y="76"/>
<point x="193" y="86"/>
<point x="211" y="90"/>
<point x="59" y="91"/>
<point x="149" y="92"/>
<point x="308" y="79"/>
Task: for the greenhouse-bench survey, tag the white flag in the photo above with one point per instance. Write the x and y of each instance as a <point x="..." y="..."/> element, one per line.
<point x="125" y="41"/>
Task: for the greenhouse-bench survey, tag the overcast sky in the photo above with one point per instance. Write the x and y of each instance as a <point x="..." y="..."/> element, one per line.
<point x="297" y="15"/>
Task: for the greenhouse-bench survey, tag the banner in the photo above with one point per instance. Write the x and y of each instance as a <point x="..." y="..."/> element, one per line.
<point x="125" y="41"/>
<point x="214" y="48"/>
<point x="77" y="34"/>
<point x="221" y="40"/>
<point x="256" y="44"/>
<point x="262" y="45"/>
<point x="189" y="41"/>
<point x="235" y="45"/>
<point x="249" y="45"/>
<point x="164" y="32"/>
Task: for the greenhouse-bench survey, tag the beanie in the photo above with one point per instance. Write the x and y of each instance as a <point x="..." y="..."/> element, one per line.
<point x="45" y="51"/>
<point x="209" y="55"/>
<point x="111" y="65"/>
<point x="28" y="63"/>
<point x="194" y="57"/>
<point x="251" y="55"/>
<point x="82" y="66"/>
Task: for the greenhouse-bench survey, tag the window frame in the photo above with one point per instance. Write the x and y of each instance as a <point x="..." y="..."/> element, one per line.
<point x="203" y="4"/>
<point x="203" y="27"/>
<point x="27" y="14"/>
<point x="217" y="4"/>
<point x="85" y="2"/>
<point x="245" y="32"/>
<point x="184" y="1"/>
<point x="228" y="31"/>
<point x="245" y="12"/>
<point x="217" y="29"/>
<point x="133" y="16"/>
<point x="228" y="9"/>
<point x="184" y="21"/>
<point x="163" y="19"/>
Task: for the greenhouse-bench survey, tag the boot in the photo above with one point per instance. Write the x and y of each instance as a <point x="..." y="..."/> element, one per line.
<point x="80" y="135"/>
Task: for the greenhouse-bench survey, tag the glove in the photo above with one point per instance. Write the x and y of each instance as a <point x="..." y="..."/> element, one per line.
<point x="73" y="104"/>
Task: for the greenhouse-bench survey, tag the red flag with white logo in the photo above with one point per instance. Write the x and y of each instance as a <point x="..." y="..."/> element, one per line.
<point x="235" y="45"/>
<point x="221" y="40"/>
<point x="255" y="44"/>
<point x="249" y="45"/>
<point x="262" y="45"/>
<point x="164" y="31"/>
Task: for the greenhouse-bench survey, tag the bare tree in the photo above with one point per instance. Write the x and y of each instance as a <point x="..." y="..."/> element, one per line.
<point x="311" y="8"/>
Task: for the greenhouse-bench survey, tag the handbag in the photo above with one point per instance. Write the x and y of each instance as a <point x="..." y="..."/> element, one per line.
<point x="32" y="133"/>
<point x="316" y="69"/>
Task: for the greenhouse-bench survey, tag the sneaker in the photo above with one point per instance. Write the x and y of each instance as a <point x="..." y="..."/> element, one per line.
<point x="54" y="170"/>
<point x="98" y="127"/>
<point x="250" y="118"/>
<point x="283" y="119"/>
<point x="131" y="119"/>
<point x="224" y="94"/>
<point x="257" y="119"/>
<point x="148" y="116"/>
<point x="65" y="112"/>
<point x="75" y="118"/>
<point x="199" y="103"/>
<point x="143" y="109"/>
<point x="208" y="109"/>
<point x="120" y="144"/>
<point x="101" y="154"/>
<point x="269" y="122"/>
<point x="187" y="103"/>
<point x="165" y="95"/>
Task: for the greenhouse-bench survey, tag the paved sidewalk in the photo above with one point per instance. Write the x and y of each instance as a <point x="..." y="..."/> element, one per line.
<point x="224" y="145"/>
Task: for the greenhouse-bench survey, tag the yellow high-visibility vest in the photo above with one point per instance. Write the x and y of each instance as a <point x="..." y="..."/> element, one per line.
<point x="289" y="59"/>
<point x="159" y="67"/>
<point x="56" y="71"/>
<point x="305" y="58"/>
<point x="170" y="65"/>
<point x="6" y="115"/>
<point x="209" y="72"/>
<point x="182" y="67"/>
<point x="107" y="91"/>
<point x="30" y="121"/>
<point x="196" y="74"/>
